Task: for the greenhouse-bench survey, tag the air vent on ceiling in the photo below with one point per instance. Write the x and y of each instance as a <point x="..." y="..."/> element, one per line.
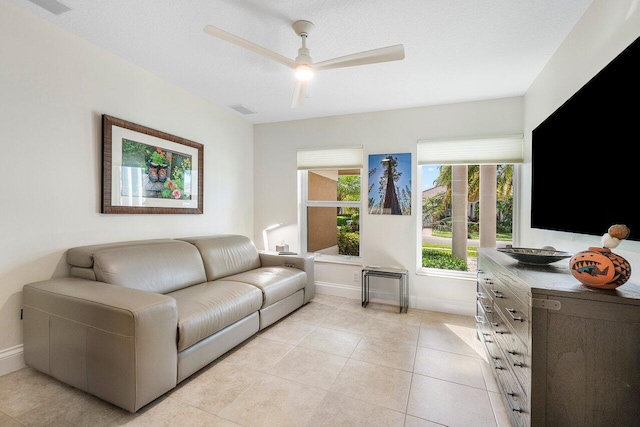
<point x="241" y="109"/>
<point x="52" y="6"/>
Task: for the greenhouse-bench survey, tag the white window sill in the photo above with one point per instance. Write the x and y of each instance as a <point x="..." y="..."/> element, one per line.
<point x="335" y="259"/>
<point x="452" y="274"/>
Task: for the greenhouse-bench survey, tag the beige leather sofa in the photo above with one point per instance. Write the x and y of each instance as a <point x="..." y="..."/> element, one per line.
<point x="136" y="318"/>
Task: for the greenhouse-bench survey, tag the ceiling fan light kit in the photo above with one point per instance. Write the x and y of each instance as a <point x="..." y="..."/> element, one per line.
<point x="304" y="72"/>
<point x="303" y="64"/>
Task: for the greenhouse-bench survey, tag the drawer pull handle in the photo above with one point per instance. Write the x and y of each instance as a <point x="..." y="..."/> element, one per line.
<point x="495" y="325"/>
<point x="487" y="308"/>
<point x="512" y="394"/>
<point x="499" y="332"/>
<point x="479" y="319"/>
<point x="518" y="364"/>
<point x="479" y="295"/>
<point x="499" y="368"/>
<point x="497" y="294"/>
<point x="513" y="352"/>
<point x="512" y="311"/>
<point x="486" y="334"/>
<point x="518" y="410"/>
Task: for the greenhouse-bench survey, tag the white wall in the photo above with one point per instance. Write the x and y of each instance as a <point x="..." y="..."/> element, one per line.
<point x="54" y="87"/>
<point x="605" y="29"/>
<point x="388" y="240"/>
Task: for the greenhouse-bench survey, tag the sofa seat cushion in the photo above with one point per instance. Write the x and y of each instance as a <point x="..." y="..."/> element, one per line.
<point x="207" y="308"/>
<point x="276" y="283"/>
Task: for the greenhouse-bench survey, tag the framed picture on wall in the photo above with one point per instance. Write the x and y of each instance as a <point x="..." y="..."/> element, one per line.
<point x="145" y="171"/>
<point x="390" y="184"/>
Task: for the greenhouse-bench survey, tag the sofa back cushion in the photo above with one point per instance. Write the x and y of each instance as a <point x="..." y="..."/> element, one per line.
<point x="154" y="266"/>
<point x="226" y="254"/>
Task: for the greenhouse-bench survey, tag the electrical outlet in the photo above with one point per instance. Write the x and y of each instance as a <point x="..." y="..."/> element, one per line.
<point x="356" y="276"/>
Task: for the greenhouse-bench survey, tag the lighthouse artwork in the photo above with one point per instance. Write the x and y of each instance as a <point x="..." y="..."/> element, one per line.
<point x="390" y="184"/>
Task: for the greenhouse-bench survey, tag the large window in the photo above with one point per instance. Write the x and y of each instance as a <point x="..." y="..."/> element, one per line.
<point x="467" y="199"/>
<point x="330" y="201"/>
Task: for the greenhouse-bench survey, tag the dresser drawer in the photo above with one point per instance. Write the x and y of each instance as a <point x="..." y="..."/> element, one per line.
<point x="515" y="352"/>
<point x="484" y="307"/>
<point x="517" y="402"/>
<point x="514" y="311"/>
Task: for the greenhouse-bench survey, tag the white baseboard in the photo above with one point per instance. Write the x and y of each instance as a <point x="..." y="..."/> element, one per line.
<point x="11" y="359"/>
<point x="433" y="304"/>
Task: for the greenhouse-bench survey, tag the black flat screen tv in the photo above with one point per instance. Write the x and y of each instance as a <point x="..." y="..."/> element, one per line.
<point x="585" y="171"/>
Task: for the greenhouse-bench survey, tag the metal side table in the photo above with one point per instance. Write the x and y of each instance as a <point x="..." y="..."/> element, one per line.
<point x="389" y="273"/>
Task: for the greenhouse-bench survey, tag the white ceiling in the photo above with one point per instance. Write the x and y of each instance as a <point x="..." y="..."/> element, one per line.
<point x="455" y="50"/>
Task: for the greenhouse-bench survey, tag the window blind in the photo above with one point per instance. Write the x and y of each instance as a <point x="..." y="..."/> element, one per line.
<point x="330" y="158"/>
<point x="474" y="151"/>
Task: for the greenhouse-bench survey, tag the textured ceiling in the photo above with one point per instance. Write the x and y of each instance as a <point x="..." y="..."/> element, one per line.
<point x="455" y="51"/>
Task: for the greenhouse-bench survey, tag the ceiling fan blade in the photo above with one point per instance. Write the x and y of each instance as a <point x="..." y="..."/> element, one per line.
<point x="299" y="93"/>
<point x="384" y="54"/>
<point x="223" y="35"/>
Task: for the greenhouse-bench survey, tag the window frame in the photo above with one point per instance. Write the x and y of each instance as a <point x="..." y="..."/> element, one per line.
<point x="506" y="149"/>
<point x="305" y="203"/>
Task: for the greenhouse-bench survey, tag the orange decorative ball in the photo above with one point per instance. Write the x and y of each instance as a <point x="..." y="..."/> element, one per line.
<point x="600" y="268"/>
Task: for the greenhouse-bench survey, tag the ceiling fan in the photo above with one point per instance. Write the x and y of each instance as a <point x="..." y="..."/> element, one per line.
<point x="303" y="64"/>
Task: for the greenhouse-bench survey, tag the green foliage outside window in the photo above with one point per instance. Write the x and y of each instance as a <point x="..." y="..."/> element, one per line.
<point x="434" y="258"/>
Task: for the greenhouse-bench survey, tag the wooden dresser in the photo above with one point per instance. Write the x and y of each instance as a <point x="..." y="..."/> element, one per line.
<point x="562" y="354"/>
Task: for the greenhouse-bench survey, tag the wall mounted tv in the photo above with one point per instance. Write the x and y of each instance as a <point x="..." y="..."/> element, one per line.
<point x="585" y="170"/>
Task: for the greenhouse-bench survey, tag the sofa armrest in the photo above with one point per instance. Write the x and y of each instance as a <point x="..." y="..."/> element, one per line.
<point x="114" y="342"/>
<point x="304" y="262"/>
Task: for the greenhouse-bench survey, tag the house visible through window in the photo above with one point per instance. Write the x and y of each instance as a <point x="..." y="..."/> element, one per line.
<point x="467" y="199"/>
<point x="330" y="201"/>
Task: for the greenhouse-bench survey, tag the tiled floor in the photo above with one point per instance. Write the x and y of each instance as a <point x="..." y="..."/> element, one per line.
<point x="331" y="363"/>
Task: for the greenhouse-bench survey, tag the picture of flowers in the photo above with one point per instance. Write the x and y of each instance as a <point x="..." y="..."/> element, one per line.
<point x="148" y="171"/>
<point x="163" y="172"/>
<point x="390" y="184"/>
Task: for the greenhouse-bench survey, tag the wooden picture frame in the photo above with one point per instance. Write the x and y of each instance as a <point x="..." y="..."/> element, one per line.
<point x="146" y="171"/>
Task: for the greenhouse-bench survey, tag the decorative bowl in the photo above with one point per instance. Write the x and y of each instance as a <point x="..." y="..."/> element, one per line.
<point x="535" y="256"/>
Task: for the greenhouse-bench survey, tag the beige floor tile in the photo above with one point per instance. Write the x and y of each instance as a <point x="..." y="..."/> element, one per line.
<point x="26" y="389"/>
<point x="310" y="367"/>
<point x="77" y="408"/>
<point x="386" y="353"/>
<point x="337" y="410"/>
<point x="411" y="317"/>
<point x="466" y="370"/>
<point x="430" y="317"/>
<point x="489" y="377"/>
<point x="354" y="306"/>
<point x="372" y="309"/>
<point x="331" y="341"/>
<point x="287" y="330"/>
<point x="394" y="332"/>
<point x="217" y="387"/>
<point x="274" y="401"/>
<point x="330" y="300"/>
<point x="171" y="412"/>
<point x="499" y="411"/>
<point x="259" y="354"/>
<point x="412" y="421"/>
<point x="7" y="421"/>
<point x="449" y="403"/>
<point x="385" y="312"/>
<point x="375" y="384"/>
<point x="346" y="321"/>
<point x="451" y="338"/>
<point x="313" y="313"/>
